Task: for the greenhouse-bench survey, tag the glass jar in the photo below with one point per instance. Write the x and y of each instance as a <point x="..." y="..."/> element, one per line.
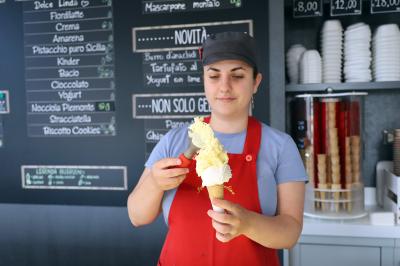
<point x="327" y="130"/>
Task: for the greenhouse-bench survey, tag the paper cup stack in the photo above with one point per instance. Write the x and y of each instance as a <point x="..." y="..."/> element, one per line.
<point x="357" y="53"/>
<point x="293" y="56"/>
<point x="396" y="152"/>
<point x="310" y="67"/>
<point x="386" y="53"/>
<point x="332" y="43"/>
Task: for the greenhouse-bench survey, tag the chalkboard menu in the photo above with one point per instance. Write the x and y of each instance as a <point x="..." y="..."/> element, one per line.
<point x="74" y="177"/>
<point x="69" y="68"/>
<point x="170" y="6"/>
<point x="173" y="105"/>
<point x="173" y="68"/>
<point x="95" y="84"/>
<point x="171" y="55"/>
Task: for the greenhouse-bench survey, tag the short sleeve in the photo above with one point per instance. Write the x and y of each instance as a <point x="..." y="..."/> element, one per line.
<point x="290" y="166"/>
<point x="159" y="151"/>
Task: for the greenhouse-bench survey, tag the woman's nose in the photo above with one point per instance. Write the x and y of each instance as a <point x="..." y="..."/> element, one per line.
<point x="225" y="84"/>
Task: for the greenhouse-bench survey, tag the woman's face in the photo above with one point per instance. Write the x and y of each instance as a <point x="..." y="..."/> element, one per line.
<point x="229" y="86"/>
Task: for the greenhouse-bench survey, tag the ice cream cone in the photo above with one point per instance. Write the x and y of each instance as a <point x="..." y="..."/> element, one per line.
<point x="216" y="192"/>
<point x="211" y="160"/>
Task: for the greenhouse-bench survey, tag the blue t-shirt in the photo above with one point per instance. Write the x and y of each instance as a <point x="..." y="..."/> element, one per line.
<point x="278" y="161"/>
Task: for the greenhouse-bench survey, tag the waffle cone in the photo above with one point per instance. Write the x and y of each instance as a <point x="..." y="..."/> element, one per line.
<point x="216" y="191"/>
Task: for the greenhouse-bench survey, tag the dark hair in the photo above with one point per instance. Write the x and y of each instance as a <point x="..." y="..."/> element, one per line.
<point x="255" y="72"/>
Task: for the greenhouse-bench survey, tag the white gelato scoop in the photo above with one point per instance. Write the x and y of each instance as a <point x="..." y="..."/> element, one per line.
<point x="216" y="175"/>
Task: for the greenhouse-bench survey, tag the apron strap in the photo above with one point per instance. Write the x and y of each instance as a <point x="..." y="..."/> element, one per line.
<point x="253" y="138"/>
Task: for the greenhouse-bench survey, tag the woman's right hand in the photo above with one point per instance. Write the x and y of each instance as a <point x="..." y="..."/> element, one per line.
<point x="167" y="175"/>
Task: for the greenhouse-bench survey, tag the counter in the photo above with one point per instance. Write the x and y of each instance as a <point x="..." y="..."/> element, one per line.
<point x="361" y="227"/>
<point x="346" y="243"/>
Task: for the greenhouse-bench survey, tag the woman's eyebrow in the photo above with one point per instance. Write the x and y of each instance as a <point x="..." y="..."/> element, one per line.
<point x="237" y="68"/>
<point x="213" y="69"/>
<point x="232" y="70"/>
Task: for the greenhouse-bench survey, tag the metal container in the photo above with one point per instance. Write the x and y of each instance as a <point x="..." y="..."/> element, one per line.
<point x="327" y="130"/>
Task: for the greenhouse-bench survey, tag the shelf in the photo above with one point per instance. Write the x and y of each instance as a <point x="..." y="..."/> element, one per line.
<point x="351" y="86"/>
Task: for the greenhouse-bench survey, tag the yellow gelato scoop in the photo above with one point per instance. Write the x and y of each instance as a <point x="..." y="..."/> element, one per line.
<point x="200" y="133"/>
<point x="211" y="154"/>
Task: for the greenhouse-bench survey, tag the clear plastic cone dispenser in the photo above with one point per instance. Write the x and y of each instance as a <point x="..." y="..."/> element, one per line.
<point x="327" y="130"/>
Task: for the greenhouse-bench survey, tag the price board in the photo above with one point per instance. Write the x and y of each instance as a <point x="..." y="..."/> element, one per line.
<point x="307" y="8"/>
<point x="346" y="7"/>
<point x="385" y="6"/>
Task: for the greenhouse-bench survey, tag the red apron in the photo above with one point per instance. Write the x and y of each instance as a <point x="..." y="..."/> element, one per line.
<point x="191" y="238"/>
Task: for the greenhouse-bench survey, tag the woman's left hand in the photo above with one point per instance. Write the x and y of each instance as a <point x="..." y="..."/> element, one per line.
<point x="232" y="223"/>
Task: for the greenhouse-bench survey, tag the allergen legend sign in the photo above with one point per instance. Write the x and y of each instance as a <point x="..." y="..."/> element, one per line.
<point x="79" y="177"/>
<point x="69" y="68"/>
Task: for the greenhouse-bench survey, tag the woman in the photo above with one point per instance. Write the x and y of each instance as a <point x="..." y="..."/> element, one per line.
<point x="264" y="213"/>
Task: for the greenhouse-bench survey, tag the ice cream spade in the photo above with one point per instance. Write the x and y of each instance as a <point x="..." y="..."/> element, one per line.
<point x="187" y="156"/>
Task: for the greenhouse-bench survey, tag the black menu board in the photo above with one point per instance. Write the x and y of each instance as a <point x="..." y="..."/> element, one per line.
<point x="69" y="68"/>
<point x="95" y="84"/>
<point x="171" y="69"/>
<point x="173" y="6"/>
<point x="171" y="56"/>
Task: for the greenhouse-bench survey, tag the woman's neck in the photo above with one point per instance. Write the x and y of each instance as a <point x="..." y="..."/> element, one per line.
<point x="229" y="125"/>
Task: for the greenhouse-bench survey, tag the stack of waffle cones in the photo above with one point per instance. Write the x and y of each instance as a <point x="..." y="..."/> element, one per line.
<point x="335" y="166"/>
<point x="355" y="158"/>
<point x="334" y="152"/>
<point x="348" y="172"/>
<point x="321" y="167"/>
